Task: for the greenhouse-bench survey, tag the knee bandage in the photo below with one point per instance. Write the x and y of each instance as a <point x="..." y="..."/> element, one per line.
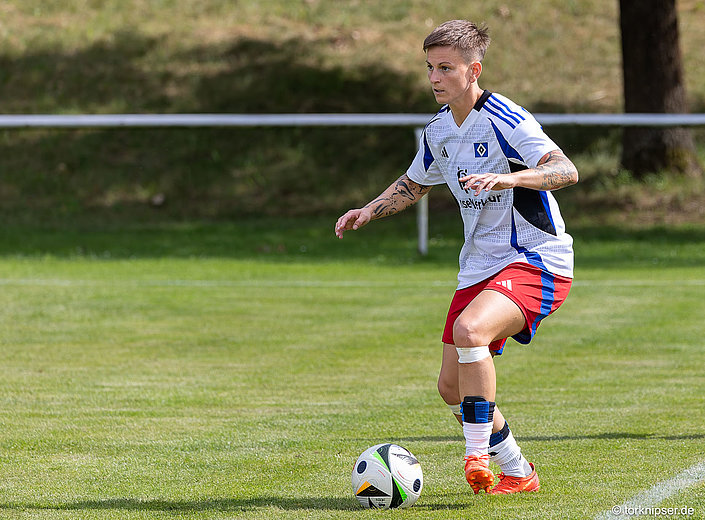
<point x="472" y="354"/>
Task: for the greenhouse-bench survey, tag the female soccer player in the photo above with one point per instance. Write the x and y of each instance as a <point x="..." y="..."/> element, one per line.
<point x="516" y="265"/>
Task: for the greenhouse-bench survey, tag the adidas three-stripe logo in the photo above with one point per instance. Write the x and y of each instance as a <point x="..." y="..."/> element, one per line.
<point x="505" y="283"/>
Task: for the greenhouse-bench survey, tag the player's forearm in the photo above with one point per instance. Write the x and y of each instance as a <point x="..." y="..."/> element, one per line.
<point x="401" y="194"/>
<point x="554" y="171"/>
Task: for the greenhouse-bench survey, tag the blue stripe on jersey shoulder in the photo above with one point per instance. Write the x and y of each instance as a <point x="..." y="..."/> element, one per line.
<point x="501" y="110"/>
<point x="501" y="105"/>
<point x="504" y="112"/>
<point x="427" y="155"/>
<point x="509" y="152"/>
<point x="443" y="110"/>
<point x="498" y="115"/>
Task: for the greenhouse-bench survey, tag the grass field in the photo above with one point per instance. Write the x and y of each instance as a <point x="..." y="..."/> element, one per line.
<point x="237" y="370"/>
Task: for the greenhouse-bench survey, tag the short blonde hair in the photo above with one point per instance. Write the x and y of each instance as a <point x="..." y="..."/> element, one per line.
<point x="469" y="38"/>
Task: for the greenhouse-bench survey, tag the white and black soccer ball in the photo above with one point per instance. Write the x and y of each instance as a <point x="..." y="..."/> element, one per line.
<point x="387" y="476"/>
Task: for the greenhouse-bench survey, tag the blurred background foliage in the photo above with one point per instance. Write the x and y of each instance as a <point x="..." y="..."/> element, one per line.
<point x="296" y="56"/>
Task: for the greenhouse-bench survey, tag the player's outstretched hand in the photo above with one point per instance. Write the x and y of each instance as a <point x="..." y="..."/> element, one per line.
<point x="487" y="182"/>
<point x="353" y="219"/>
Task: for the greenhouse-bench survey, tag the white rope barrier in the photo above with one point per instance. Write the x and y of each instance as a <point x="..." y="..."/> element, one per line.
<point x="263" y="120"/>
<point x="418" y="121"/>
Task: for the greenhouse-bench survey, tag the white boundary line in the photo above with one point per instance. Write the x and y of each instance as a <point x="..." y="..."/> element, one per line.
<point x="637" y="505"/>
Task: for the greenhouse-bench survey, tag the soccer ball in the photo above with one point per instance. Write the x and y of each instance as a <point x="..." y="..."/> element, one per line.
<point x="387" y="476"/>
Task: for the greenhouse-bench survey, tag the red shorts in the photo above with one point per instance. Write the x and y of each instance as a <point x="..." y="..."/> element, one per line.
<point x="536" y="292"/>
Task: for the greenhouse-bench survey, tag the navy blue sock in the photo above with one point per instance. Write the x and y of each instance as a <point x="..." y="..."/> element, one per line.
<point x="499" y="436"/>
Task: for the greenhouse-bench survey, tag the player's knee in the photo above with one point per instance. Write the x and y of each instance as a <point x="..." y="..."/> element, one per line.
<point x="448" y="391"/>
<point x="466" y="333"/>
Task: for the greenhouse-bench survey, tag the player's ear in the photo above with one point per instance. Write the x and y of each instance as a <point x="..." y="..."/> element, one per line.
<point x="476" y="70"/>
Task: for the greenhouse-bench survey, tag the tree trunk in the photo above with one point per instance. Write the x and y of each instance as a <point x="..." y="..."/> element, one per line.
<point x="653" y="83"/>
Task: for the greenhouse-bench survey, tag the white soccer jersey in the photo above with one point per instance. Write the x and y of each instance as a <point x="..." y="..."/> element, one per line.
<point x="501" y="227"/>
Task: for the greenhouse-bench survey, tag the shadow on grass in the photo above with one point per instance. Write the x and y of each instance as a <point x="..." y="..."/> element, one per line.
<point x="391" y="241"/>
<point x="225" y="505"/>
<point x="613" y="436"/>
<point x="561" y="438"/>
<point x="265" y="239"/>
<point x="215" y="504"/>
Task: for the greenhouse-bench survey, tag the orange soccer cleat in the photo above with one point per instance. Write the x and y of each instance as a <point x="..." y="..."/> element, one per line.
<point x="478" y="474"/>
<point x="508" y="484"/>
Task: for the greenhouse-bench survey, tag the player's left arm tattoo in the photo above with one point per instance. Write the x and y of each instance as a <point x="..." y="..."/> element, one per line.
<point x="556" y="171"/>
<point x="400" y="195"/>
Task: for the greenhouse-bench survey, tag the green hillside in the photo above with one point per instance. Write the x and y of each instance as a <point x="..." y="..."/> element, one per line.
<point x="271" y="56"/>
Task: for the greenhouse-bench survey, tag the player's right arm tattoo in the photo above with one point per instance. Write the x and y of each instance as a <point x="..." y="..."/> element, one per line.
<point x="399" y="196"/>
<point x="556" y="170"/>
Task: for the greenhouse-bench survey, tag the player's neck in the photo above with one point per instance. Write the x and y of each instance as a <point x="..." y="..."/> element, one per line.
<point x="462" y="109"/>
